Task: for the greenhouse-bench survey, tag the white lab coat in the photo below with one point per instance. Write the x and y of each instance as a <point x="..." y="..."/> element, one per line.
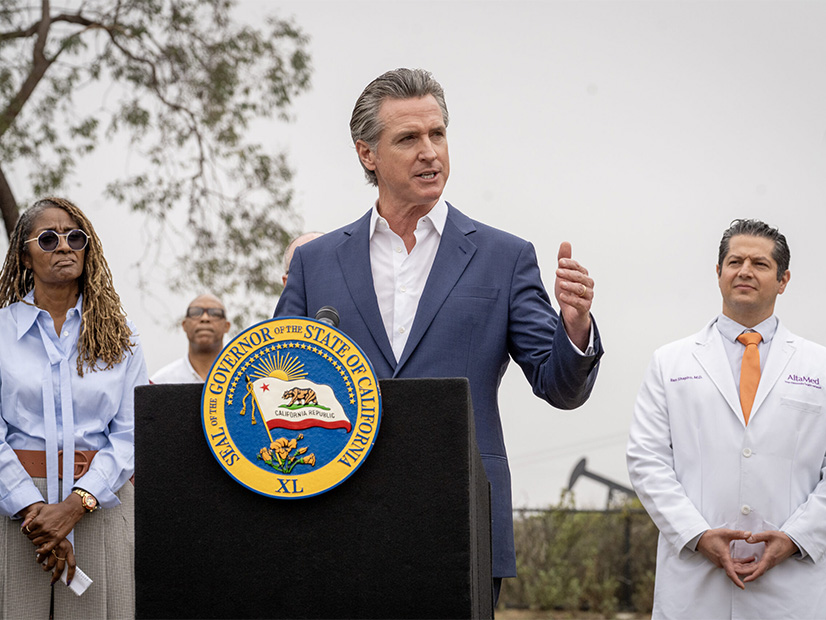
<point x="695" y="465"/>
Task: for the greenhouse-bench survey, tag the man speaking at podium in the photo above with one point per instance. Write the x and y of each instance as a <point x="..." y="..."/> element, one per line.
<point x="427" y="292"/>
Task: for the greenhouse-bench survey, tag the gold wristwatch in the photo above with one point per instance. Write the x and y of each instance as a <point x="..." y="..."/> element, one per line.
<point x="90" y="502"/>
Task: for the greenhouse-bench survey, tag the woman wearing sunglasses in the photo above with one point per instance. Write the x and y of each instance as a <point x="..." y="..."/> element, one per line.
<point x="69" y="363"/>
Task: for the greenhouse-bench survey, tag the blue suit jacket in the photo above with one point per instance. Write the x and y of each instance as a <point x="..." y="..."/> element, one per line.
<point x="483" y="303"/>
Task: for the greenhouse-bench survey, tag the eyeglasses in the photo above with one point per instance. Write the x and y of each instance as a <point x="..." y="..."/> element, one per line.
<point x="194" y="312"/>
<point x="48" y="240"/>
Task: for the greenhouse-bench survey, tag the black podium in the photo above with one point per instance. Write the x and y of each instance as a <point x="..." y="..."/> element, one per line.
<point x="407" y="536"/>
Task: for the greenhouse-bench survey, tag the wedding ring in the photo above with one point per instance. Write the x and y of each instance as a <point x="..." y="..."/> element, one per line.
<point x="57" y="556"/>
<point x="28" y="531"/>
<point x="584" y="290"/>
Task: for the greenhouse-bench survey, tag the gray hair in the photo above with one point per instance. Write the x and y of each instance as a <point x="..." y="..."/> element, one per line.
<point x="399" y="84"/>
<point x="755" y="228"/>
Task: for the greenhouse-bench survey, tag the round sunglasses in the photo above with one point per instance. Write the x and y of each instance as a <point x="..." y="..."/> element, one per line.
<point x="48" y="240"/>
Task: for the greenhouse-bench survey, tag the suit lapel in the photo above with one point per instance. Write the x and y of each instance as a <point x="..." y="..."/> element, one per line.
<point x="452" y="257"/>
<point x="709" y="352"/>
<point x="780" y="352"/>
<point x="454" y="253"/>
<point x="354" y="260"/>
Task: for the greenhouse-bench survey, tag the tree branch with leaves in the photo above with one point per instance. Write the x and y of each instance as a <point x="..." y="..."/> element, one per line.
<point x="189" y="81"/>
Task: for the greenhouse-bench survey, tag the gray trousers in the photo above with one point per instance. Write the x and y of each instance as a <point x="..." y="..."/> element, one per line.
<point x="104" y="550"/>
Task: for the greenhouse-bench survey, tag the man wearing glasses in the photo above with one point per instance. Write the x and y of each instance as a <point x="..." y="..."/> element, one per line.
<point x="205" y="326"/>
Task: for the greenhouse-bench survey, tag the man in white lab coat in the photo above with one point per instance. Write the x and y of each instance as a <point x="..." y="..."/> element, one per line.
<point x="735" y="480"/>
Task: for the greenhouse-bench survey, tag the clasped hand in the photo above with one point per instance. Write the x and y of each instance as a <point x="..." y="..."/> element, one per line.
<point x="716" y="546"/>
<point x="46" y="526"/>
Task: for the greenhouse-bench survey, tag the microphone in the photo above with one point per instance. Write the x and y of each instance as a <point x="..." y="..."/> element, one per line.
<point x="327" y="315"/>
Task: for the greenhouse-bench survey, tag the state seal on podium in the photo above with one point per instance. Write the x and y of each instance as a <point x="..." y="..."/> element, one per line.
<point x="291" y="408"/>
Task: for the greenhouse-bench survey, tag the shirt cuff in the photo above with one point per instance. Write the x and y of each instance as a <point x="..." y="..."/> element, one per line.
<point x="22" y="496"/>
<point x="589" y="350"/>
<point x="92" y="483"/>
<point x="691" y="545"/>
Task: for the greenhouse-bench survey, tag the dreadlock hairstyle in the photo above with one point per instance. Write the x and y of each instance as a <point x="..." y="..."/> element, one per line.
<point x="104" y="335"/>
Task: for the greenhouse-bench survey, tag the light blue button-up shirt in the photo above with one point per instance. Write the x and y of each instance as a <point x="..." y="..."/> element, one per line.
<point x="730" y="329"/>
<point x="38" y="365"/>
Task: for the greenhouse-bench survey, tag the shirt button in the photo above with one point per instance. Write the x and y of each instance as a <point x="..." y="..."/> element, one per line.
<point x="401" y="330"/>
<point x="398" y="250"/>
<point x="65" y="334"/>
<point x="403" y="289"/>
<point x="747" y="452"/>
<point x="746" y="509"/>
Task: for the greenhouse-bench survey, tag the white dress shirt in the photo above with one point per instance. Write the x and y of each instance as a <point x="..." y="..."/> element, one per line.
<point x="179" y="371"/>
<point x="398" y="277"/>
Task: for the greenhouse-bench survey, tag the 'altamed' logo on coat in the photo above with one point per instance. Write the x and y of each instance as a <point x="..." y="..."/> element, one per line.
<point x="806" y="380"/>
<point x="291" y="408"/>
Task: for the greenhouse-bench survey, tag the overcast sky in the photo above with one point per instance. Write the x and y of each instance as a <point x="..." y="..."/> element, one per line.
<point x="635" y="130"/>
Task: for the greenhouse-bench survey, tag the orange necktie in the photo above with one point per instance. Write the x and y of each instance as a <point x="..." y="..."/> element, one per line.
<point x="749" y="371"/>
